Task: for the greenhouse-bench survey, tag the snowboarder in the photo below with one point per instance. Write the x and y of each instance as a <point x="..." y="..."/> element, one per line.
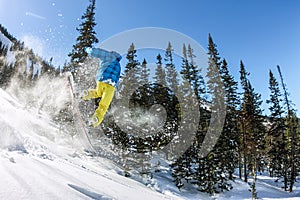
<point x="107" y="78"/>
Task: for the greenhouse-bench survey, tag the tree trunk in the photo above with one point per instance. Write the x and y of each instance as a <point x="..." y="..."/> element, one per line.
<point x="245" y="153"/>
<point x="240" y="164"/>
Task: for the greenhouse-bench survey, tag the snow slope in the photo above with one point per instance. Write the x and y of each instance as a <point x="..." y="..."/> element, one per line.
<point x="40" y="161"/>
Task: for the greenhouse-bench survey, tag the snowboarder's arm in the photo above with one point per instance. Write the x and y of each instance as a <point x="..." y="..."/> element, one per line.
<point x="104" y="54"/>
<point x="99" y="53"/>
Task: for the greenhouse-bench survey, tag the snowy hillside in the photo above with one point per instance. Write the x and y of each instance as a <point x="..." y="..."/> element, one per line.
<point x="39" y="161"/>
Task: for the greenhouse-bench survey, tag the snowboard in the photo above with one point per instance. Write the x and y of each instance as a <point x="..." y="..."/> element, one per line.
<point x="80" y="118"/>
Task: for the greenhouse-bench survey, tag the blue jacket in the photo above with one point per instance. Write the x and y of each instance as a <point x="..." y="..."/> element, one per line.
<point x="110" y="69"/>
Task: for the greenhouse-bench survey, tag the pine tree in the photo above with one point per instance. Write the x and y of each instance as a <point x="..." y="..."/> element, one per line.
<point x="6" y="73"/>
<point x="86" y="38"/>
<point x="192" y="73"/>
<point x="292" y="134"/>
<point x="143" y="81"/>
<point x="160" y="75"/>
<point x="243" y="76"/>
<point x="3" y="49"/>
<point x="294" y="145"/>
<point x="128" y="92"/>
<point x="178" y="172"/>
<point x="211" y="174"/>
<point x="145" y="73"/>
<point x="173" y="85"/>
<point x="230" y="129"/>
<point x="21" y="62"/>
<point x="160" y="80"/>
<point x="242" y="122"/>
<point x="185" y="66"/>
<point x="132" y="63"/>
<point x="7" y="34"/>
<point x="183" y="169"/>
<point x="277" y="139"/>
<point x="197" y="80"/>
<point x="252" y="128"/>
<point x="2" y="64"/>
<point x="171" y="72"/>
<point x="130" y="79"/>
<point x="30" y="74"/>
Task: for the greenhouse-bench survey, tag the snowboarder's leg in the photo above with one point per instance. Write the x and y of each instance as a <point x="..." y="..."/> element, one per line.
<point x="94" y="93"/>
<point x="107" y="96"/>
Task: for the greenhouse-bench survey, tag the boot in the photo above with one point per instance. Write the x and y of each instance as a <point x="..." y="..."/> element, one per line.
<point x="85" y="95"/>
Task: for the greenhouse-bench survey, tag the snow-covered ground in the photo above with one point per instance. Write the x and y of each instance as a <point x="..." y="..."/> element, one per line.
<point x="40" y="161"/>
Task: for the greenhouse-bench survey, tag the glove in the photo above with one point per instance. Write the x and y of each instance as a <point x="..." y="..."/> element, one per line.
<point x="88" y="50"/>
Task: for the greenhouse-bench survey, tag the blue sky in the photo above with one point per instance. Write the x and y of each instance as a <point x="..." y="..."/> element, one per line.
<point x="262" y="33"/>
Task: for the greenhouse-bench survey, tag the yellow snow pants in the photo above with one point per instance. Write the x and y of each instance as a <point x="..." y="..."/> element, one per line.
<point x="106" y="92"/>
